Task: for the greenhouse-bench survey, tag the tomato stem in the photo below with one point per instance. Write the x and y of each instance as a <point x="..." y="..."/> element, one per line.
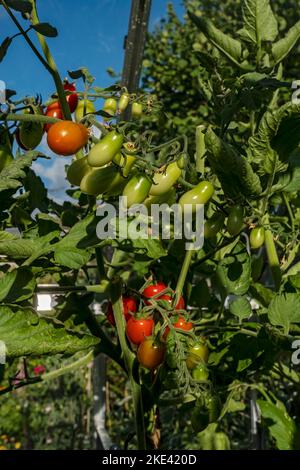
<point x="183" y="274"/>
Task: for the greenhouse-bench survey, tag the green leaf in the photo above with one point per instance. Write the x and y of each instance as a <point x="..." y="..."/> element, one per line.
<point x="240" y="307"/>
<point x="17" y="285"/>
<point x="281" y="426"/>
<point x="22" y="6"/>
<point x="11" y="175"/>
<point x="45" y="29"/>
<point x="262" y="294"/>
<point x="19" y="248"/>
<point x="233" y="170"/>
<point x="282" y="47"/>
<point x="230" y="47"/>
<point x="234" y="271"/>
<point x="25" y="334"/>
<point x="260" y="23"/>
<point x="278" y="134"/>
<point x="4" y="47"/>
<point x="284" y="310"/>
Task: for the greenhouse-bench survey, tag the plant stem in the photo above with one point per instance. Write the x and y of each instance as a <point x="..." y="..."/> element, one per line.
<point x="28" y="117"/>
<point x="183" y="274"/>
<point x="288" y="206"/>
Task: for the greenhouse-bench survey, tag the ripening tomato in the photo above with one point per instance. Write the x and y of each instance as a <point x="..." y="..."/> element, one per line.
<point x="151" y="354"/>
<point x="29" y="134"/>
<point x="106" y="149"/>
<point x="72" y="97"/>
<point x="136" y="110"/>
<point x="137" y="329"/>
<point x="84" y="107"/>
<point x="67" y="137"/>
<point x="163" y="181"/>
<point x="199" y="352"/>
<point x="137" y="189"/>
<point x="129" y="306"/>
<point x="200" y="373"/>
<point x="257" y="237"/>
<point x="201" y="194"/>
<point x="54" y="111"/>
<point x="123" y="102"/>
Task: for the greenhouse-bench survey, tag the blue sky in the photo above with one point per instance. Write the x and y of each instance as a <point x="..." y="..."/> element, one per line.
<point x="90" y="34"/>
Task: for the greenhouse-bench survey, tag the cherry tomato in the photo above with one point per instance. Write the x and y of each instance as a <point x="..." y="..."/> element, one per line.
<point x="110" y="106"/>
<point x="235" y="220"/>
<point x="137" y="189"/>
<point x="180" y="324"/>
<point x="136" y="110"/>
<point x="77" y="170"/>
<point x="257" y="237"/>
<point x="200" y="373"/>
<point x="105" y="150"/>
<point x="150" y="355"/>
<point x="154" y="289"/>
<point x="39" y="369"/>
<point x="201" y="194"/>
<point x="180" y="304"/>
<point x="214" y="225"/>
<point x="198" y="353"/>
<point x="99" y="180"/>
<point x="163" y="181"/>
<point x="84" y="107"/>
<point x="72" y="98"/>
<point x="137" y="329"/>
<point x="123" y="102"/>
<point x="67" y="137"/>
<point x="129" y="305"/>
<point x="29" y="134"/>
<point x="55" y="112"/>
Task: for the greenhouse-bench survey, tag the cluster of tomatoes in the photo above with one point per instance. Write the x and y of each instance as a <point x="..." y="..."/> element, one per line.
<point x="148" y="333"/>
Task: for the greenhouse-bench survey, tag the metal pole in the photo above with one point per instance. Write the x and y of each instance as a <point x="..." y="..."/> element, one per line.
<point x="134" y="44"/>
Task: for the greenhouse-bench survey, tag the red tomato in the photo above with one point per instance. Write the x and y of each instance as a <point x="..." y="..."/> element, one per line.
<point x="67" y="137"/>
<point x="181" y="324"/>
<point x="150" y="354"/>
<point x="129" y="305"/>
<point x="72" y="98"/>
<point x="180" y="304"/>
<point x="53" y="111"/>
<point x="154" y="289"/>
<point x="137" y="329"/>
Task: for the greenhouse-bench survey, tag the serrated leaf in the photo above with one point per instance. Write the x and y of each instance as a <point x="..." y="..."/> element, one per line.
<point x="234" y="271"/>
<point x="262" y="294"/>
<point x="230" y="47"/>
<point x="282" y="47"/>
<point x="24" y="333"/>
<point x="4" y="47"/>
<point x="284" y="310"/>
<point x="11" y="175"/>
<point x="233" y="170"/>
<point x="17" y="285"/>
<point x="260" y="23"/>
<point x="240" y="307"/>
<point x="280" y="425"/>
<point x="45" y="29"/>
<point x="22" y="6"/>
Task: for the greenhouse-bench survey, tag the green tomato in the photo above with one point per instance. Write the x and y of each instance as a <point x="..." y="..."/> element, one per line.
<point x="200" y="373"/>
<point x="110" y="106"/>
<point x="137" y="189"/>
<point x="106" y="149"/>
<point x="77" y="170"/>
<point x="214" y="225"/>
<point x="5" y="157"/>
<point x="163" y="181"/>
<point x="166" y="198"/>
<point x="198" y="353"/>
<point x="201" y="194"/>
<point x="84" y="107"/>
<point x="257" y="237"/>
<point x="199" y="419"/>
<point x="30" y="133"/>
<point x="99" y="180"/>
<point x="136" y="110"/>
<point x="213" y="406"/>
<point x="221" y="441"/>
<point x="235" y="221"/>
<point x="123" y="102"/>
